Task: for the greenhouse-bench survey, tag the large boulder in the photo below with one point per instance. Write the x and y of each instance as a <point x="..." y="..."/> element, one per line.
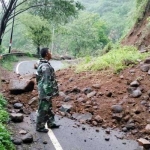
<point x="20" y="86"/>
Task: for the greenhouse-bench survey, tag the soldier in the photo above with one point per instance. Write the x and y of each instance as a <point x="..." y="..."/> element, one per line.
<point x="47" y="89"/>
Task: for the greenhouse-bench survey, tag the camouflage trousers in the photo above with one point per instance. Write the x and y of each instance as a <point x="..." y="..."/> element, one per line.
<point x="45" y="114"/>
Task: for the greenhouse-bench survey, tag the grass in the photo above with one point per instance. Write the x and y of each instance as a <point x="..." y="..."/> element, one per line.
<point x="5" y="139"/>
<point x="113" y="60"/>
<point x="7" y="63"/>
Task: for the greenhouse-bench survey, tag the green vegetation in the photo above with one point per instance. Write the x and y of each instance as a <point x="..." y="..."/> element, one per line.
<point x="5" y="141"/>
<point x="115" y="60"/>
<point x="8" y="63"/>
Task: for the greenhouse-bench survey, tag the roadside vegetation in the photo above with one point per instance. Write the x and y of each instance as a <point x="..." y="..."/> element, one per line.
<point x="8" y="63"/>
<point x="5" y="138"/>
<point x="115" y="60"/>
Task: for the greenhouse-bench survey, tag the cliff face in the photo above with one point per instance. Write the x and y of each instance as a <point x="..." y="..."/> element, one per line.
<point x="139" y="36"/>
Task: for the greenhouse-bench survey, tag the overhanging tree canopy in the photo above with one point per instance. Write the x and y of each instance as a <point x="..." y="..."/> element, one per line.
<point x="63" y="7"/>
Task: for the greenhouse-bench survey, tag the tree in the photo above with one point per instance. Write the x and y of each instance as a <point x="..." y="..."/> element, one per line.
<point x="65" y="7"/>
<point x="38" y="30"/>
<point x="84" y="35"/>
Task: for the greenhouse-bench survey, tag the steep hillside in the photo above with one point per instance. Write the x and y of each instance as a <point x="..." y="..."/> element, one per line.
<point x="140" y="33"/>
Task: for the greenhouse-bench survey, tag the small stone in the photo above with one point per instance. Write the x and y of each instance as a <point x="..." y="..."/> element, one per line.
<point x="107" y="131"/>
<point x="118" y="117"/>
<point x="145" y="67"/>
<point x="124" y="129"/>
<point x="143" y="142"/>
<point x="23" y="132"/>
<point x="97" y="130"/>
<point x="28" y="138"/>
<point x="18" y="105"/>
<point x="91" y="94"/>
<point x="44" y="142"/>
<point x="94" y="123"/>
<point x="83" y="128"/>
<point x="117" y="108"/>
<point x="147" y="127"/>
<point x="109" y="94"/>
<point x="67" y="99"/>
<point x="134" y="84"/>
<point x="96" y="86"/>
<point x="87" y="90"/>
<point x="137" y="93"/>
<point x="98" y="119"/>
<point x="16" y="117"/>
<point x="107" y="139"/>
<point x="17" y="141"/>
<point x="130" y="126"/>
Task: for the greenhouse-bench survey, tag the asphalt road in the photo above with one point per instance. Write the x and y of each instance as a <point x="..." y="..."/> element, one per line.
<point x="68" y="136"/>
<point x="27" y="67"/>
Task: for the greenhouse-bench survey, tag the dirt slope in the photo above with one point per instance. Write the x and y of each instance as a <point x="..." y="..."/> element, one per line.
<point x="140" y="33"/>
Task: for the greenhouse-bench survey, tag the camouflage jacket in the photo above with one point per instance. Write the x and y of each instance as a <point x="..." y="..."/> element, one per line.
<point x="46" y="80"/>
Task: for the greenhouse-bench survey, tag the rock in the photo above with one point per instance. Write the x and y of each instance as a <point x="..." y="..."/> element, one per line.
<point x="16" y="117"/>
<point x="134" y="84"/>
<point x="131" y="89"/>
<point x="28" y="138"/>
<point x="143" y="142"/>
<point x="70" y="79"/>
<point x="107" y="131"/>
<point x="18" y="105"/>
<point x="65" y="108"/>
<point x="147" y="61"/>
<point x="132" y="71"/>
<point x="96" y="86"/>
<point x="124" y="129"/>
<point x="17" y="141"/>
<point x="44" y="142"/>
<point x="23" y="132"/>
<point x="126" y="118"/>
<point x="75" y="90"/>
<point x="109" y="94"/>
<point x="87" y="90"/>
<point x="143" y="103"/>
<point x="145" y="97"/>
<point x="130" y="126"/>
<point x="121" y="77"/>
<point x="83" y="117"/>
<point x="33" y="100"/>
<point x="147" y="127"/>
<point x="67" y="99"/>
<point x="98" y="119"/>
<point x="20" y="86"/>
<point x="62" y="94"/>
<point x="80" y="99"/>
<point x="145" y="67"/>
<point x="117" y="108"/>
<point x="94" y="123"/>
<point x="137" y="93"/>
<point x="91" y="94"/>
<point x="149" y="72"/>
<point x="117" y="117"/>
<point x="97" y="130"/>
<point x="107" y="138"/>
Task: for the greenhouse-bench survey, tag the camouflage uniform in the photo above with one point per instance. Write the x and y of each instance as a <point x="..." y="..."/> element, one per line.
<point x="47" y="89"/>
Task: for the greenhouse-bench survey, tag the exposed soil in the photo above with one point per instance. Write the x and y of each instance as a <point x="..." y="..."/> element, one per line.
<point x="110" y="89"/>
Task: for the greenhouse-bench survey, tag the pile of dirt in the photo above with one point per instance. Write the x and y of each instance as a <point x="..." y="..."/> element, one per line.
<point x="107" y="99"/>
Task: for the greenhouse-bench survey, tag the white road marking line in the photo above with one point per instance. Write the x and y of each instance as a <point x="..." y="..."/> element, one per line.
<point x="54" y="139"/>
<point x="17" y="67"/>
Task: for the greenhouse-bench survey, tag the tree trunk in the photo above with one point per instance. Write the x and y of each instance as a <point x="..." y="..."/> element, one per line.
<point x="38" y="50"/>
